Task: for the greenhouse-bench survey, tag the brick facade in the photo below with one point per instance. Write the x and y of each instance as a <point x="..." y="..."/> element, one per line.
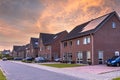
<point x="103" y="41"/>
<point x="50" y="48"/>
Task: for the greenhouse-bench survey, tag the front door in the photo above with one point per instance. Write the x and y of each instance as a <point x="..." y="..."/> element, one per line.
<point x="100" y="57"/>
<point x="79" y="58"/>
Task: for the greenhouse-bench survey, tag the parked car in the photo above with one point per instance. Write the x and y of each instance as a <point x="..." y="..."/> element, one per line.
<point x="57" y="59"/>
<point x="4" y="59"/>
<point x="18" y="58"/>
<point x="29" y="59"/>
<point x="114" y="61"/>
<point x="40" y="59"/>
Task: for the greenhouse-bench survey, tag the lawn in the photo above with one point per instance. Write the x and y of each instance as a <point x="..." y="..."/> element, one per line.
<point x="62" y="65"/>
<point x="2" y="77"/>
<point x="116" y="78"/>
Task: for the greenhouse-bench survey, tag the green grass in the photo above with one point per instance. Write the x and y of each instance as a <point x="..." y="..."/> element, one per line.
<point x="62" y="65"/>
<point x="2" y="77"/>
<point x="116" y="78"/>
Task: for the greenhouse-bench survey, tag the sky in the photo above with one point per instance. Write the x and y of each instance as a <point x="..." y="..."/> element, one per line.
<point x="22" y="19"/>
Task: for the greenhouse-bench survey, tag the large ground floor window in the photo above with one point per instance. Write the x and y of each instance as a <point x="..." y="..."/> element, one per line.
<point x="100" y="57"/>
<point x="83" y="57"/>
<point x="67" y="57"/>
<point x="79" y="57"/>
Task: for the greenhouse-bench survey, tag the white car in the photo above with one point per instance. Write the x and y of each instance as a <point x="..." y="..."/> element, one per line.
<point x="57" y="59"/>
<point x="40" y="59"/>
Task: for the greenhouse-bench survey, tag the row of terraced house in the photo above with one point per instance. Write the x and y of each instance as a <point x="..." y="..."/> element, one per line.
<point x="92" y="42"/>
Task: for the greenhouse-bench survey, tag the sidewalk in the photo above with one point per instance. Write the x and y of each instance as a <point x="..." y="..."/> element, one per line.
<point x="76" y="72"/>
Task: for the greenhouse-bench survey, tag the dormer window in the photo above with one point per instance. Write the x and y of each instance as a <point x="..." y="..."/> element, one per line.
<point x="113" y="25"/>
<point x="36" y="43"/>
<point x="55" y="37"/>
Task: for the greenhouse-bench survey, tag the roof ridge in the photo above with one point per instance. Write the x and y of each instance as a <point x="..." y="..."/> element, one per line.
<point x="88" y="27"/>
<point x="104" y="15"/>
<point x="47" y="33"/>
<point x="34" y="38"/>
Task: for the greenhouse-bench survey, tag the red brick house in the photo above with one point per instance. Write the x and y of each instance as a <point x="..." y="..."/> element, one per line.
<point x="19" y="51"/>
<point x="33" y="47"/>
<point x="27" y="50"/>
<point x="49" y="45"/>
<point x="94" y="41"/>
<point x="15" y="51"/>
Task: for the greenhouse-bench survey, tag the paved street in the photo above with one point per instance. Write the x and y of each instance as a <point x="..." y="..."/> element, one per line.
<point x="15" y="71"/>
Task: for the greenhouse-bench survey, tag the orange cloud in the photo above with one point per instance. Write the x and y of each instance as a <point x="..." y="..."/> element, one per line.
<point x="60" y="15"/>
<point x="18" y="24"/>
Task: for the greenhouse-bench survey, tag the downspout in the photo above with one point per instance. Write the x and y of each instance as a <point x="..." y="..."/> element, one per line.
<point x="92" y="39"/>
<point x="50" y="52"/>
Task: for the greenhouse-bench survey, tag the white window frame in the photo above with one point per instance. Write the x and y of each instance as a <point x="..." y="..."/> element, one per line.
<point x="113" y="25"/>
<point x="117" y="53"/>
<point x="88" y="55"/>
<point x="80" y="55"/>
<point x="78" y="42"/>
<point x="86" y="40"/>
<point x="100" y="55"/>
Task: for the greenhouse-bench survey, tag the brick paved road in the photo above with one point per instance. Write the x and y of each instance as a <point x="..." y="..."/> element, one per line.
<point x="16" y="71"/>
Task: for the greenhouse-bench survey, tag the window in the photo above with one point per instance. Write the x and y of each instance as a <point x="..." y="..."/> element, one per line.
<point x="100" y="54"/>
<point x="100" y="57"/>
<point x="70" y="43"/>
<point x="86" y="40"/>
<point x="78" y="42"/>
<point x="117" y="53"/>
<point x="88" y="55"/>
<point x="79" y="57"/>
<point x="36" y="43"/>
<point x="55" y="37"/>
<point x="113" y="25"/>
<point x="65" y="44"/>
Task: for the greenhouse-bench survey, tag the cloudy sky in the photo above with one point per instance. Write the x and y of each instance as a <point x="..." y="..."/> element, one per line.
<point x="22" y="19"/>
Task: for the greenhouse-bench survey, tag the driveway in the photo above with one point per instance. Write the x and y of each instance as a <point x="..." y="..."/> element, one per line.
<point x="94" y="69"/>
<point x="16" y="71"/>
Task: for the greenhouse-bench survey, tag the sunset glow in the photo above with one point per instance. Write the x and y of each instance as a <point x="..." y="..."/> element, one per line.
<point x="22" y="19"/>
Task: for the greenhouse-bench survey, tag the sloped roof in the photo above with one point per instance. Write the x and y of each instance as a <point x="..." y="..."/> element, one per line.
<point x="49" y="38"/>
<point x="5" y="51"/>
<point x="27" y="46"/>
<point x="88" y="27"/>
<point x="15" y="48"/>
<point x="94" y="23"/>
<point x="21" y="48"/>
<point x="34" y="42"/>
<point x="46" y="37"/>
